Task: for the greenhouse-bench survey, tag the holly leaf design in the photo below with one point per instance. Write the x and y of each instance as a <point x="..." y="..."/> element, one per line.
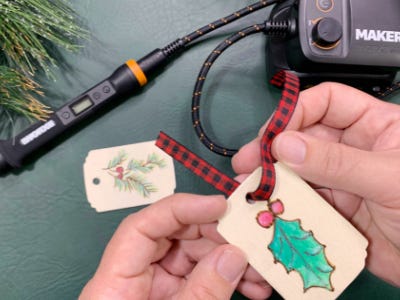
<point x="298" y="250"/>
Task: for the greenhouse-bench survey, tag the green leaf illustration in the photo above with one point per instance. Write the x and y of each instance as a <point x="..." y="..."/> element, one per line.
<point x="156" y="161"/>
<point x="298" y="250"/>
<point x="120" y="184"/>
<point x="146" y="166"/>
<point x="119" y="159"/>
<point x="138" y="166"/>
<point x="127" y="179"/>
<point x="132" y="182"/>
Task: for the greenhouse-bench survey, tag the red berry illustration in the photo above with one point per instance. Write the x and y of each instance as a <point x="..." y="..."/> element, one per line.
<point x="120" y="176"/>
<point x="265" y="218"/>
<point x="120" y="170"/>
<point x="277" y="207"/>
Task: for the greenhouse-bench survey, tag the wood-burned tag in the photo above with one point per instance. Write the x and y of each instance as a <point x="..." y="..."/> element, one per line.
<point x="297" y="241"/>
<point x="128" y="176"/>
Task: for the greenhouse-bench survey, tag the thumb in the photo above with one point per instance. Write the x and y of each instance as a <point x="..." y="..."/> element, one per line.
<point x="335" y="165"/>
<point x="216" y="275"/>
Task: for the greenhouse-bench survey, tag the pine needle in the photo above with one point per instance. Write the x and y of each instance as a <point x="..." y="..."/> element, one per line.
<point x="29" y="29"/>
<point x="16" y="95"/>
<point x="26" y="26"/>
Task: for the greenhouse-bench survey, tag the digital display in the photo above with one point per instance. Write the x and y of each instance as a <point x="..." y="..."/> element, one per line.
<point x="81" y="106"/>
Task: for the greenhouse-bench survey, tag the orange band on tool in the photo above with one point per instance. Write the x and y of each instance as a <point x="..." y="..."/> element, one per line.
<point x="137" y="71"/>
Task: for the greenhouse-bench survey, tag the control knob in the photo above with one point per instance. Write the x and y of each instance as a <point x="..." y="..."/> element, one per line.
<point x="327" y="33"/>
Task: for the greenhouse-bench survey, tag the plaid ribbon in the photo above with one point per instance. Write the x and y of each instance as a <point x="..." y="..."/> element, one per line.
<point x="291" y="87"/>
<point x="197" y="165"/>
<point x="290" y="94"/>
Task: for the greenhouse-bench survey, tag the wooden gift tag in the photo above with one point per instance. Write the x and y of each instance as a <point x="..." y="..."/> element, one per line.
<point x="128" y="176"/>
<point x="309" y="251"/>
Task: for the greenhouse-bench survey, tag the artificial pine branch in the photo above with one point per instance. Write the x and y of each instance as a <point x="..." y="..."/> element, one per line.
<point x="16" y="94"/>
<point x="28" y="30"/>
<point x="27" y="25"/>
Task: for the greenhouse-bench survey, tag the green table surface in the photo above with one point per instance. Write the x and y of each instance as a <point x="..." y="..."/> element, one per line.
<point x="51" y="240"/>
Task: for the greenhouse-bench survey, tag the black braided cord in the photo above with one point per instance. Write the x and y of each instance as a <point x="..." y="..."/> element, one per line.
<point x="181" y="43"/>
<point x="395" y="87"/>
<point x="226" y="20"/>
<point x="200" y="84"/>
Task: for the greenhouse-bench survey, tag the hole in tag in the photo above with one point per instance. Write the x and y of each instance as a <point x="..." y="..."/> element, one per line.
<point x="249" y="200"/>
<point x="96" y="181"/>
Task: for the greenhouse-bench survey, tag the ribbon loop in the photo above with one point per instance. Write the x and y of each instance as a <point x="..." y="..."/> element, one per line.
<point x="290" y="84"/>
<point x="287" y="104"/>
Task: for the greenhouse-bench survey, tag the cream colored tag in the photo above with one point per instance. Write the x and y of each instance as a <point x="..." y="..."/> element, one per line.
<point x="318" y="253"/>
<point x="128" y="176"/>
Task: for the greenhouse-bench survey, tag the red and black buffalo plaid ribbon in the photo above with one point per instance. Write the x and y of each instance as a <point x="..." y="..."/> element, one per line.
<point x="290" y="84"/>
<point x="197" y="165"/>
<point x="290" y="94"/>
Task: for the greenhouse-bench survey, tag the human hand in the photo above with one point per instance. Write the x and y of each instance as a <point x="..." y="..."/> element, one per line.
<point x="171" y="250"/>
<point x="346" y="144"/>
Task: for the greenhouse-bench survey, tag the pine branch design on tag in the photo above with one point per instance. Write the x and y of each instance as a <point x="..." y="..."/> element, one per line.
<point x="129" y="177"/>
<point x="297" y="249"/>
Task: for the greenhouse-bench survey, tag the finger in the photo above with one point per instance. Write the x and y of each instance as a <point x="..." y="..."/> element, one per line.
<point x="248" y="158"/>
<point x="325" y="193"/>
<point x="253" y="276"/>
<point x="324" y="104"/>
<point x="164" y="286"/>
<point x="338" y="166"/>
<point x="335" y="106"/>
<point x="347" y="204"/>
<point x="182" y="258"/>
<point x="324" y="132"/>
<point x="217" y="275"/>
<point x="254" y="290"/>
<point x="208" y="231"/>
<point x="134" y="244"/>
<point x="332" y="104"/>
<point x="177" y="262"/>
<point x="242" y="177"/>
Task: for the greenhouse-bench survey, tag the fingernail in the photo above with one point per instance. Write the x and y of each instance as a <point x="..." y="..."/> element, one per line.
<point x="291" y="149"/>
<point x="231" y="265"/>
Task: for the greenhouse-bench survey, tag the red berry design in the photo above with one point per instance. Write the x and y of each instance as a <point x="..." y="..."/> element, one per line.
<point x="277" y="207"/>
<point x="265" y="218"/>
<point x="120" y="170"/>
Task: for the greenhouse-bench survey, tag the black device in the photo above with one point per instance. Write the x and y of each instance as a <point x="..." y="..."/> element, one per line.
<point x="356" y="42"/>
<point x="125" y="80"/>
